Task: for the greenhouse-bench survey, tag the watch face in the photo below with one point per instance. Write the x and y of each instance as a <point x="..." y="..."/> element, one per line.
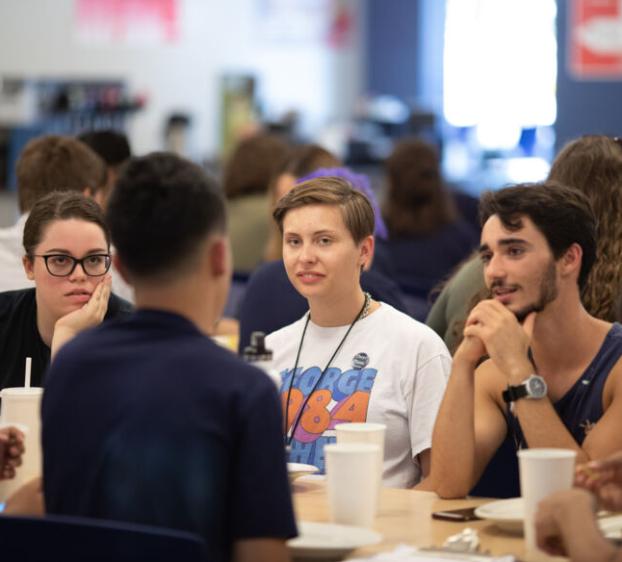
<point x="536" y="386"/>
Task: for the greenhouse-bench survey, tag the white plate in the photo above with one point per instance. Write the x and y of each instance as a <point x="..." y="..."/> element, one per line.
<point x="505" y="514"/>
<point x="611" y="526"/>
<point x="296" y="470"/>
<point x="508" y="516"/>
<point x="319" y="541"/>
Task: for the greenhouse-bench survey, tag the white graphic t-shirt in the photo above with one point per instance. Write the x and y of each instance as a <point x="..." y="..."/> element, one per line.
<point x="391" y="370"/>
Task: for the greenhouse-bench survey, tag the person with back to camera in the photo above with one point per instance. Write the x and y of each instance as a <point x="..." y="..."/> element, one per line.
<point x="427" y="237"/>
<point x="171" y="429"/>
<point x="67" y="255"/>
<point x="554" y="374"/>
<point x="113" y="148"/>
<point x="351" y="358"/>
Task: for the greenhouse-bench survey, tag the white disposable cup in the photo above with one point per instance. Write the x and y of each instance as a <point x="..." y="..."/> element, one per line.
<point x="21" y="407"/>
<point x="364" y="433"/>
<point x="352" y="481"/>
<point x="542" y="472"/>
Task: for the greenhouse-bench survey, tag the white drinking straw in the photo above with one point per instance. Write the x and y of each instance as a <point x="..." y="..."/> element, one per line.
<point x="28" y="368"/>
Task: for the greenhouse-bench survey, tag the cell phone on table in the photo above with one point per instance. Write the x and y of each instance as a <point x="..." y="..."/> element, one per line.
<point x="465" y="514"/>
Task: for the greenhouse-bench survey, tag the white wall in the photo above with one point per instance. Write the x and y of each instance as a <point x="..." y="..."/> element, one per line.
<point x="38" y="40"/>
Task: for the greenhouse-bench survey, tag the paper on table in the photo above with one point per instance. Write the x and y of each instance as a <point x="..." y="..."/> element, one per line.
<point x="405" y="553"/>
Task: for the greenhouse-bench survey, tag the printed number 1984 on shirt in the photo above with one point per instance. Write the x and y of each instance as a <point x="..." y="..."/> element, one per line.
<point x="322" y="412"/>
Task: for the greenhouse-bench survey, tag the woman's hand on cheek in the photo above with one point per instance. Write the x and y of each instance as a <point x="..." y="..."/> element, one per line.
<point x="88" y="316"/>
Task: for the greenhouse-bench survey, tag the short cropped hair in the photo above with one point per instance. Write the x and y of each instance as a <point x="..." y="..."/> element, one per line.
<point x="563" y="215"/>
<point x="56" y="163"/>
<point x="356" y="210"/>
<point x="60" y="205"/>
<point x="110" y="145"/>
<point x="160" y="212"/>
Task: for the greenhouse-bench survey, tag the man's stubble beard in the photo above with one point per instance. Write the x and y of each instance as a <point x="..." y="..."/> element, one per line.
<point x="548" y="293"/>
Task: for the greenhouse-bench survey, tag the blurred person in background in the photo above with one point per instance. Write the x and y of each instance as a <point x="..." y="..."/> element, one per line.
<point x="301" y="161"/>
<point x="52" y="163"/>
<point x="246" y="177"/>
<point x="427" y="238"/>
<point x="113" y="148"/>
<point x="593" y="165"/>
<point x="46" y="164"/>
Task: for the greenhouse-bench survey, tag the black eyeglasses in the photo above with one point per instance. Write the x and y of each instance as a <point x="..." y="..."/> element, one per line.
<point x="62" y="265"/>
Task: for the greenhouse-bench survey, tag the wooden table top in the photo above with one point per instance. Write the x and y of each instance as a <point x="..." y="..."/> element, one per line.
<point x="404" y="517"/>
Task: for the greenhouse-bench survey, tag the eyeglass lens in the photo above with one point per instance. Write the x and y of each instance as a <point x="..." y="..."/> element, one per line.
<point x="61" y="265"/>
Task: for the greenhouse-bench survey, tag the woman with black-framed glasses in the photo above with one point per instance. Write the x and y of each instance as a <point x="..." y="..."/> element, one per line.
<point x="67" y="255"/>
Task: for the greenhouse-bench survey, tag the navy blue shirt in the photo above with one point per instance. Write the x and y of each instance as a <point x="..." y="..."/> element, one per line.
<point x="149" y="421"/>
<point x="579" y="409"/>
<point x="422" y="262"/>
<point x="271" y="302"/>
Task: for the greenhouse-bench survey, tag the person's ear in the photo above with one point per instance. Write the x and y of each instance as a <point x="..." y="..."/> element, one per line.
<point x="118" y="265"/>
<point x="218" y="257"/>
<point x="570" y="262"/>
<point x="367" y="247"/>
<point x="28" y="267"/>
<point x="97" y="195"/>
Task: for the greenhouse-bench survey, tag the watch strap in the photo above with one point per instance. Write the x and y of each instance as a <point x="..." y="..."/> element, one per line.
<point x="513" y="393"/>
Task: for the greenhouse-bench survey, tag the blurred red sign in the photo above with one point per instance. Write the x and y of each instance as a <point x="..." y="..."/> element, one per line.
<point x="595" y="38"/>
<point x="139" y="22"/>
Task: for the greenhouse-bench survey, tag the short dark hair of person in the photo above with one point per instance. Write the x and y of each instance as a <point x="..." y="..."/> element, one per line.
<point x="161" y="211"/>
<point x="252" y="164"/>
<point x="563" y="215"/>
<point x="417" y="202"/>
<point x="112" y="146"/>
<point x="60" y="205"/>
<point x="56" y="163"/>
<point x="356" y="210"/>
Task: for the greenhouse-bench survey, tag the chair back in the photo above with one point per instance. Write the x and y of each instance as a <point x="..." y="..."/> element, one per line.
<point x="79" y="539"/>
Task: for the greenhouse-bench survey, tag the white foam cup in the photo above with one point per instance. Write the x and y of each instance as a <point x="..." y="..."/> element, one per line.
<point x="542" y="472"/>
<point x="364" y="433"/>
<point x="352" y="482"/>
<point x="21" y="408"/>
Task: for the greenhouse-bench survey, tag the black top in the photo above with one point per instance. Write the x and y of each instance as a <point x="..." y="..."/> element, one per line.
<point x="168" y="429"/>
<point x="271" y="302"/>
<point x="579" y="410"/>
<point x="422" y="262"/>
<point x="19" y="336"/>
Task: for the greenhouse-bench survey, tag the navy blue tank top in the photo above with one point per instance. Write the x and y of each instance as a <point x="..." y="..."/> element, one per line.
<point x="579" y="409"/>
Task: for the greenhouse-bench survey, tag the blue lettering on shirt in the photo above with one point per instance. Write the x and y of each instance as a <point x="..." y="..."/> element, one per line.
<point x="307" y="446"/>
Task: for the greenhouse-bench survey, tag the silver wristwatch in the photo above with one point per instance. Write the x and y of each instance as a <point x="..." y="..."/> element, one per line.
<point x="533" y="387"/>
